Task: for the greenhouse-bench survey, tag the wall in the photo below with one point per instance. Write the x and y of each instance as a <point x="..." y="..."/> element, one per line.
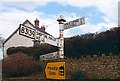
<point x="96" y="67"/>
<point x="104" y="67"/>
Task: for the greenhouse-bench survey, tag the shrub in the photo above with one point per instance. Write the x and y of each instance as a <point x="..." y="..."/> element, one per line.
<point x="13" y="50"/>
<point x="18" y="65"/>
<point x="78" y="75"/>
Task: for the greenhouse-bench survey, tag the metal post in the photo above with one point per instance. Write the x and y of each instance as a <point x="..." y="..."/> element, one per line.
<point x="61" y="21"/>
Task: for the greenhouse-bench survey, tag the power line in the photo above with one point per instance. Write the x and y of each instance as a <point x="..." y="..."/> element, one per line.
<point x="9" y="20"/>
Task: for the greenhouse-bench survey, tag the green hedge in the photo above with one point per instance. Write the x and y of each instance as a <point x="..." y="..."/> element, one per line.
<point x="35" y="51"/>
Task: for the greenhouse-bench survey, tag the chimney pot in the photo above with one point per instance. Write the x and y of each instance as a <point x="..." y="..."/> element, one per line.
<point x="42" y="28"/>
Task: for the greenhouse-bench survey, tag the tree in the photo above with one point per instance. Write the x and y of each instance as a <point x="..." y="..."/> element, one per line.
<point x="1" y="40"/>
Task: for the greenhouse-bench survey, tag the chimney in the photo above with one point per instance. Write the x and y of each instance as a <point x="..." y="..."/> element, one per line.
<point x="36" y="23"/>
<point x="42" y="28"/>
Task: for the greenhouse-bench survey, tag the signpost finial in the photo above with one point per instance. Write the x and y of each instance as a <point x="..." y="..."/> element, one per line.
<point x="61" y="19"/>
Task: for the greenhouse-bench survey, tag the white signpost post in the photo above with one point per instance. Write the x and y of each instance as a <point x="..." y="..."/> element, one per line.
<point x="63" y="26"/>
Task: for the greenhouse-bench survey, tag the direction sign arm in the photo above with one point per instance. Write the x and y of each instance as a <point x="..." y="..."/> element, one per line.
<point x="74" y="23"/>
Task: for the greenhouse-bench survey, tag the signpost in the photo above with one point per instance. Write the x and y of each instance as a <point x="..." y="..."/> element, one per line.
<point x="63" y="26"/>
<point x="37" y="35"/>
<point x="45" y="38"/>
<point x="55" y="70"/>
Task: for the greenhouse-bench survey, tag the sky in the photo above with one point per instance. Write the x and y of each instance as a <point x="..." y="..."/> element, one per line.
<point x="100" y="15"/>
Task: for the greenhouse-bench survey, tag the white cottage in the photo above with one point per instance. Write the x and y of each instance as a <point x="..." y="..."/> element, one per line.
<point x="15" y="39"/>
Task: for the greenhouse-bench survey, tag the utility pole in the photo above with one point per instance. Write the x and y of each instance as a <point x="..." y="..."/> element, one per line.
<point x="61" y="21"/>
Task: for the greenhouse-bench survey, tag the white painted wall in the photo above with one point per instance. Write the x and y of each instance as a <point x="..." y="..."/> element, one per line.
<point x="17" y="40"/>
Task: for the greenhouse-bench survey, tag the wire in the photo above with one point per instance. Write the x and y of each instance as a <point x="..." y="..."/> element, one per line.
<point x="9" y="20"/>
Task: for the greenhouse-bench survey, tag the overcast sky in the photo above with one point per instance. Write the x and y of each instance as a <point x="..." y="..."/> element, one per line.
<point x="100" y="15"/>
